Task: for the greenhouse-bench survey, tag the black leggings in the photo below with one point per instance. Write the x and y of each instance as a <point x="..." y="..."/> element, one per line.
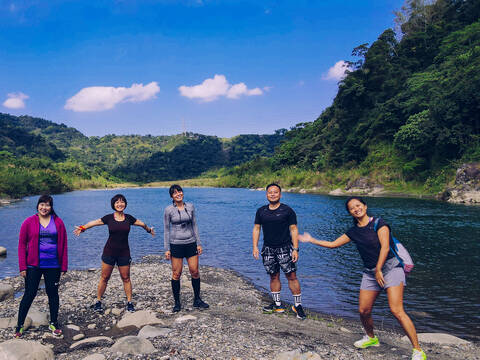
<point x="32" y="280"/>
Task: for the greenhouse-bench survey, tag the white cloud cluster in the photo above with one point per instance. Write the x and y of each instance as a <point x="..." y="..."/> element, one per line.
<point x="15" y="100"/>
<point x="100" y="98"/>
<point x="212" y="89"/>
<point x="337" y="71"/>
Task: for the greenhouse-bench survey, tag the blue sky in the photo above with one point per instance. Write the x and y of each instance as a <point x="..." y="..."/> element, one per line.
<point x="146" y="67"/>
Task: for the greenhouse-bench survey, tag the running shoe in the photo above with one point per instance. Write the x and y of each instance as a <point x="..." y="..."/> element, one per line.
<point x="418" y="355"/>
<point x="98" y="307"/>
<point x="54" y="329"/>
<point x="130" y="307"/>
<point x="18" y="332"/>
<point x="299" y="311"/>
<point x="200" y="304"/>
<point x="366" y="342"/>
<point x="273" y="308"/>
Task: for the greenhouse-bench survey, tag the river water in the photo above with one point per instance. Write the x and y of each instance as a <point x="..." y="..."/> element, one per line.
<point x="443" y="291"/>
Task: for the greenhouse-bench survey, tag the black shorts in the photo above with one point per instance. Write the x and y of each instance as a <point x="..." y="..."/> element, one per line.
<point x="276" y="258"/>
<point x="119" y="260"/>
<point x="183" y="250"/>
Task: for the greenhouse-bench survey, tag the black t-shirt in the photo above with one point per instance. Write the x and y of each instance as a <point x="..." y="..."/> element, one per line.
<point x="276" y="225"/>
<point x="117" y="243"/>
<point x="367" y="242"/>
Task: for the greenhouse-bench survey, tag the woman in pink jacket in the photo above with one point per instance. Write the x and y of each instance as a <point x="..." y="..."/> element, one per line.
<point x="42" y="250"/>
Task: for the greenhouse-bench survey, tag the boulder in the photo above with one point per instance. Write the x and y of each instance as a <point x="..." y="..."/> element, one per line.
<point x="438" y="338"/>
<point x="184" y="318"/>
<point x="466" y="189"/>
<point x="3" y="251"/>
<point x="94" y="357"/>
<point x="153" y="331"/>
<point x="90" y="342"/>
<point x="6" y="291"/>
<point x="132" y="345"/>
<point x="38" y="318"/>
<point x="297" y="355"/>
<point x="6" y="323"/>
<point x="73" y="327"/>
<point x="336" y="192"/>
<point x="18" y="349"/>
<point x="139" y="319"/>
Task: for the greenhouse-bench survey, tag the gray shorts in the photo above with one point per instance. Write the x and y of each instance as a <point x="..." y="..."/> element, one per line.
<point x="393" y="275"/>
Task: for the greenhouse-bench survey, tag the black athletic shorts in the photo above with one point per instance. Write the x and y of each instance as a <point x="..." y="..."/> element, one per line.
<point x="119" y="260"/>
<point x="183" y="250"/>
<point x="276" y="258"/>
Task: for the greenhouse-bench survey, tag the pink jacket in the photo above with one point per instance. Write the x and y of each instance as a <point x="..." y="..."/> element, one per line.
<point x="28" y="243"/>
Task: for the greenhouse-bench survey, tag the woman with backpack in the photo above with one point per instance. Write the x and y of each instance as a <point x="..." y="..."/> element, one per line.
<point x="382" y="271"/>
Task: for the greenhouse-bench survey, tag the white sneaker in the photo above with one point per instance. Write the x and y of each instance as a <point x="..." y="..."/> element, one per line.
<point x="366" y="341"/>
<point x="418" y="355"/>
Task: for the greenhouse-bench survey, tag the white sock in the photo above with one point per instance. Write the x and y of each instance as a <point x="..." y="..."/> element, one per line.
<point x="276" y="297"/>
<point x="297" y="299"/>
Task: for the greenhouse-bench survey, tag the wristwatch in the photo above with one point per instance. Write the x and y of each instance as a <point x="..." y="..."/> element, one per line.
<point x="296" y="249"/>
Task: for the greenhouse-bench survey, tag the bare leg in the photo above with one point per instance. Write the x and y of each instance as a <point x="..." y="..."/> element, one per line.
<point x="177" y="265"/>
<point x="395" y="300"/>
<point x="293" y="283"/>
<point x="193" y="266"/>
<point x="104" y="277"/>
<point x="275" y="285"/>
<point x="366" y="300"/>
<point x="127" y="283"/>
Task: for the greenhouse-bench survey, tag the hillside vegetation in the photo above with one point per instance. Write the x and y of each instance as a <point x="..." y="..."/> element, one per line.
<point x="405" y="116"/>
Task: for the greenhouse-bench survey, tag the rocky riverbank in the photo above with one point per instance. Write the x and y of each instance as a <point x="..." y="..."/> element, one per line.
<point x="233" y="328"/>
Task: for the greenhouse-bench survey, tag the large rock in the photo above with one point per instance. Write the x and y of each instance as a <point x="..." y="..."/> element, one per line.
<point x="6" y="291"/>
<point x="184" y="318"/>
<point x="94" y="357"/>
<point x="139" y="319"/>
<point x="133" y="345"/>
<point x="19" y="349"/>
<point x="438" y="338"/>
<point x="38" y="317"/>
<point x="297" y="355"/>
<point x="6" y="323"/>
<point x="90" y="342"/>
<point x="153" y="331"/>
<point x="3" y="251"/>
<point x="467" y="185"/>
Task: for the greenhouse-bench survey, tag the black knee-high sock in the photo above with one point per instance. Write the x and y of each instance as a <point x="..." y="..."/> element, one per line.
<point x="176" y="290"/>
<point x="196" y="287"/>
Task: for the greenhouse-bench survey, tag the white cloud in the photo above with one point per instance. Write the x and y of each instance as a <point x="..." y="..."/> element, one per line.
<point x="100" y="98"/>
<point x="337" y="71"/>
<point x="15" y="100"/>
<point x="212" y="89"/>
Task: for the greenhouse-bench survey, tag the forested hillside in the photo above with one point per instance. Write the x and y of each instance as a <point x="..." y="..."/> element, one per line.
<point x="408" y="110"/>
<point x="38" y="155"/>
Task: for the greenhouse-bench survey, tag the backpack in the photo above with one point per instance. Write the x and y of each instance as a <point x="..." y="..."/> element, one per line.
<point x="399" y="251"/>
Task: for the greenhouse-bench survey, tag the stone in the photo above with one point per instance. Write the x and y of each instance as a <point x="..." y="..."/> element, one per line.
<point x="6" y="323"/>
<point x="184" y="318"/>
<point x="152" y="331"/>
<point x="94" y="357"/>
<point x="6" y="291"/>
<point x="73" y="327"/>
<point x="3" y="251"/>
<point x="132" y="345"/>
<point x="78" y="337"/>
<point x="336" y="192"/>
<point x="108" y="311"/>
<point x="297" y="355"/>
<point x="139" y="319"/>
<point x="93" y="341"/>
<point x="345" y="330"/>
<point x="38" y="318"/>
<point x="91" y="326"/>
<point x="438" y="338"/>
<point x="116" y="311"/>
<point x="19" y="349"/>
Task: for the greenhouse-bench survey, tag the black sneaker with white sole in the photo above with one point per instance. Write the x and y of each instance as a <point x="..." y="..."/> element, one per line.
<point x="299" y="311"/>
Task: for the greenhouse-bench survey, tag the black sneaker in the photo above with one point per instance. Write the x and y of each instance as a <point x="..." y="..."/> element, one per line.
<point x="130" y="307"/>
<point x="98" y="307"/>
<point x="273" y="308"/>
<point x="299" y="311"/>
<point x="177" y="307"/>
<point x="200" y="304"/>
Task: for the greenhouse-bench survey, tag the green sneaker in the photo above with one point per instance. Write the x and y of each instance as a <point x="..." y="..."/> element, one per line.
<point x="18" y="332"/>
<point x="418" y="355"/>
<point x="54" y="329"/>
<point x="366" y="342"/>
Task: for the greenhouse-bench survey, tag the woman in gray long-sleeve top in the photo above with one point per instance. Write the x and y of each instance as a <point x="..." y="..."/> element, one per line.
<point x="182" y="241"/>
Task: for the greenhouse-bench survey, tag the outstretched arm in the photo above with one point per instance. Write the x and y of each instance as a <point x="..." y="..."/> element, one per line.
<point x="81" y="228"/>
<point x="307" y="238"/>
<point x="140" y="223"/>
<point x="255" y="238"/>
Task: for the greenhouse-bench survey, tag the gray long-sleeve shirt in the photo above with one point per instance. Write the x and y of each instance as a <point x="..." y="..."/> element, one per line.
<point x="180" y="226"/>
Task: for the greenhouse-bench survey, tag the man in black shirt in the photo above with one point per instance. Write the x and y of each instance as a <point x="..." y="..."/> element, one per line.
<point x="279" y="223"/>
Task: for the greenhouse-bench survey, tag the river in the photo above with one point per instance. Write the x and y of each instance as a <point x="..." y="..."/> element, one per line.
<point x="442" y="294"/>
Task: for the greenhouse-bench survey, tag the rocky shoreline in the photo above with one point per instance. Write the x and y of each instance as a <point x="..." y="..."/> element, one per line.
<point x="233" y="328"/>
